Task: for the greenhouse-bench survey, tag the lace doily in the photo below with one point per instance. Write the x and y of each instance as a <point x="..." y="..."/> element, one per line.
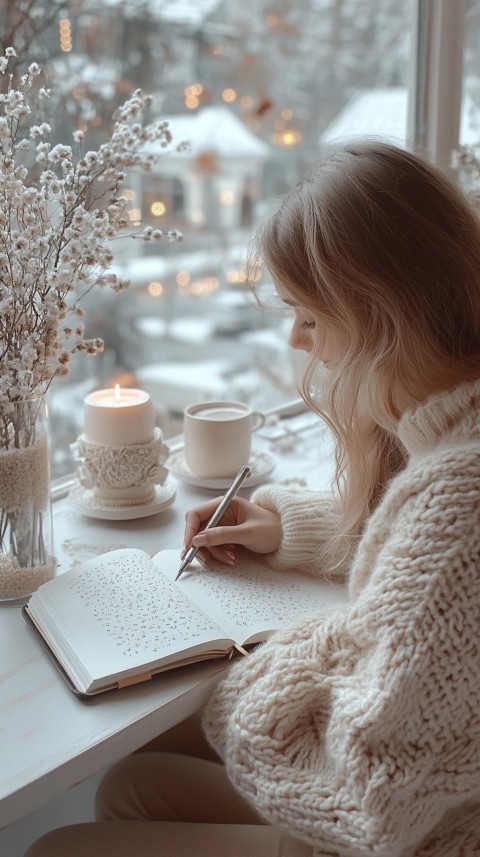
<point x="122" y="467"/>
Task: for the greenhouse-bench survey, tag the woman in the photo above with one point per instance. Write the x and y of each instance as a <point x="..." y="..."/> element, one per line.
<point x="355" y="733"/>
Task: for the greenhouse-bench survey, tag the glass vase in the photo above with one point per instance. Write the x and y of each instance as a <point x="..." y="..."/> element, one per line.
<point x="26" y="532"/>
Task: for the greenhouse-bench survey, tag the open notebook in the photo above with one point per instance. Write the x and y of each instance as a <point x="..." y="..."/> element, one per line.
<point x="120" y="618"/>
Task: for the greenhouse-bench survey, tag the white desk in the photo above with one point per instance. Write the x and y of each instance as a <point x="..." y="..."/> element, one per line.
<point x="49" y="739"/>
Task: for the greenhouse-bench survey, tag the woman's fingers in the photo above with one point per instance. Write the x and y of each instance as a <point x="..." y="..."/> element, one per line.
<point x="197" y="519"/>
<point x="206" y="555"/>
<point x="243" y="523"/>
<point x="221" y="535"/>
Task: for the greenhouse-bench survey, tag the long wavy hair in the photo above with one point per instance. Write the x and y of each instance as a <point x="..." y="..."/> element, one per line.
<point x="383" y="249"/>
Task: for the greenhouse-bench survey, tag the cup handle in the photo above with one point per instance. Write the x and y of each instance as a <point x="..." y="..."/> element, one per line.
<point x="258" y="420"/>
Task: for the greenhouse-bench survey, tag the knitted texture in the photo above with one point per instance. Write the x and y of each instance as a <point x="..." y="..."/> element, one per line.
<point x="308" y="519"/>
<point x="359" y="732"/>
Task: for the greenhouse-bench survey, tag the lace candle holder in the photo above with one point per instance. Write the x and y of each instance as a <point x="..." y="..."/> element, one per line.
<point x="121" y="453"/>
<point x="124" y="475"/>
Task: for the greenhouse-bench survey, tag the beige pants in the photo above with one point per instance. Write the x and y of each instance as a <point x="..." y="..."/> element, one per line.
<point x="166" y="804"/>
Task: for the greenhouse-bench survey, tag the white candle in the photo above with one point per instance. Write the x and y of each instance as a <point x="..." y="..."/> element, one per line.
<point x="119" y="417"/>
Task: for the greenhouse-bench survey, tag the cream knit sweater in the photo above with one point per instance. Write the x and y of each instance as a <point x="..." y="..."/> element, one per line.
<point x="359" y="732"/>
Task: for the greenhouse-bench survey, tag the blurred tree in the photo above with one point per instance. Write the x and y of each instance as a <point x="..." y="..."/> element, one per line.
<point x="286" y="67"/>
<point x="27" y="24"/>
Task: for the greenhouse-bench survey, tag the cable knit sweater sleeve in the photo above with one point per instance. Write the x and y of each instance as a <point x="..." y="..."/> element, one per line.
<point x="309" y="518"/>
<point x="358" y="731"/>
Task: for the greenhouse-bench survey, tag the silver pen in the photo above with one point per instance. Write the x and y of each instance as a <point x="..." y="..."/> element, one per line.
<point x="221" y="508"/>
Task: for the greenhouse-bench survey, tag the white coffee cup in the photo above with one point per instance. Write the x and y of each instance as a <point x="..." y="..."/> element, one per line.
<point x="218" y="437"/>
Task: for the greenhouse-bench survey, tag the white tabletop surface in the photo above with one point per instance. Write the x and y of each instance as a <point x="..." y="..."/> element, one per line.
<point x="49" y="738"/>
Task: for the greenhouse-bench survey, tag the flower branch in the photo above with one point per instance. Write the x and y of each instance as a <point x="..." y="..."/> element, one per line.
<point x="60" y="210"/>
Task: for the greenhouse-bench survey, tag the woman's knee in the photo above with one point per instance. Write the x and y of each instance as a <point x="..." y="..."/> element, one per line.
<point x="118" y="796"/>
<point x="144" y="839"/>
<point x="170" y="787"/>
<point x="63" y="841"/>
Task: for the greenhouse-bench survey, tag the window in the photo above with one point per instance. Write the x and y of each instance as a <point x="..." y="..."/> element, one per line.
<point x="469" y="135"/>
<point x="260" y="89"/>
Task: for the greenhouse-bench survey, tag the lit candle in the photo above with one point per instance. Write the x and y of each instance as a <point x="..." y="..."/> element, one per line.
<point x="119" y="417"/>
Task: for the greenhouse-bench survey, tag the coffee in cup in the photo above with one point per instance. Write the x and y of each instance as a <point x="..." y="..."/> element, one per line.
<point x="218" y="437"/>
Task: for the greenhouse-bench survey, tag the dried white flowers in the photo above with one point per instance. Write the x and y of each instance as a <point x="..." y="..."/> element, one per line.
<point x="60" y="208"/>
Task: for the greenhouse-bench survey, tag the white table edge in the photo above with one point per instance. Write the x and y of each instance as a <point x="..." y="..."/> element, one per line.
<point x="104" y="753"/>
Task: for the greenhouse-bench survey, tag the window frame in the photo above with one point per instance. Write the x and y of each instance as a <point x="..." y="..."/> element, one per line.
<point x="436" y="78"/>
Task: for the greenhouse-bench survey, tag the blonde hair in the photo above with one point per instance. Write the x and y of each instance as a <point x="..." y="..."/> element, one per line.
<point x="382" y="248"/>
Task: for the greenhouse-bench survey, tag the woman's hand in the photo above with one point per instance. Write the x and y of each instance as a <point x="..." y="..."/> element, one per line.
<point x="243" y="523"/>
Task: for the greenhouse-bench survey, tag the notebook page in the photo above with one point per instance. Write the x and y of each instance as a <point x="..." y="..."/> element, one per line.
<point x="251" y="600"/>
<point x="116" y="612"/>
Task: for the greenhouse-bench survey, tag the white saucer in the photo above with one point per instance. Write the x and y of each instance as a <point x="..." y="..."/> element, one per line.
<point x="83" y="501"/>
<point x="261" y="464"/>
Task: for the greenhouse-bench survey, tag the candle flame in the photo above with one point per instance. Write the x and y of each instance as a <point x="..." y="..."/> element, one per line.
<point x="117" y="394"/>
